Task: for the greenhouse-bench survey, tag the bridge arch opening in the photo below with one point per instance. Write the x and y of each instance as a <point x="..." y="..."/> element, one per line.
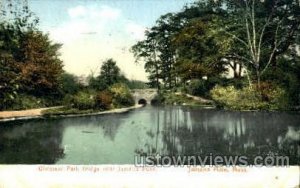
<point x="142" y="101"/>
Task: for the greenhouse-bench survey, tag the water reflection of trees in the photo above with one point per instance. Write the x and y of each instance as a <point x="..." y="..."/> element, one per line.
<point x="34" y="142"/>
<point x="109" y="124"/>
<point x="40" y="141"/>
<point x="187" y="131"/>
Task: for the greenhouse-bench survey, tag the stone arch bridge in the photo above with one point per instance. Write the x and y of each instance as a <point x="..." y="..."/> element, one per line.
<point x="143" y="96"/>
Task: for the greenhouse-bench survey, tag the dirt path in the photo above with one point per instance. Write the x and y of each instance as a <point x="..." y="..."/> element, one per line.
<point x="203" y="100"/>
<point x="22" y="113"/>
<point x="37" y="113"/>
<point x="199" y="98"/>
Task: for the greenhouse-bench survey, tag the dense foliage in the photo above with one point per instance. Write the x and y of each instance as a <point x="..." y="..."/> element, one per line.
<point x="248" y="98"/>
<point x="104" y="100"/>
<point x="83" y="100"/>
<point x="250" y="42"/>
<point x="121" y="95"/>
<point x="29" y="63"/>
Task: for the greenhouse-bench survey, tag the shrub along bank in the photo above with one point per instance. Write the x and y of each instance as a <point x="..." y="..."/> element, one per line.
<point x="89" y="101"/>
<point x="248" y="98"/>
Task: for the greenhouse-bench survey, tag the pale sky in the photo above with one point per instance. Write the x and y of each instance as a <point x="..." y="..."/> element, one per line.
<point x="94" y="30"/>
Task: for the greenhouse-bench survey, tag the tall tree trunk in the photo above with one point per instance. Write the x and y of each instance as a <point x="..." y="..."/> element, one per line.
<point x="157" y="81"/>
<point x="235" y="74"/>
<point x="258" y="78"/>
<point x="240" y="70"/>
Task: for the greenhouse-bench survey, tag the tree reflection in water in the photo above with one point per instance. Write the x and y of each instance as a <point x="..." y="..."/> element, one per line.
<point x="187" y="131"/>
<point x="31" y="142"/>
<point x="173" y="130"/>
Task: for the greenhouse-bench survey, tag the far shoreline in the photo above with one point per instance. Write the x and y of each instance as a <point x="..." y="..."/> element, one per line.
<point x="7" y="116"/>
<point x="29" y="114"/>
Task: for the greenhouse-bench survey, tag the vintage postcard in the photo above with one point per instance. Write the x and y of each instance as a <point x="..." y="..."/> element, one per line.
<point x="149" y="93"/>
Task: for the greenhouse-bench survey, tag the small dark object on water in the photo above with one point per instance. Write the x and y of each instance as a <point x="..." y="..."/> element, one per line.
<point x="87" y="132"/>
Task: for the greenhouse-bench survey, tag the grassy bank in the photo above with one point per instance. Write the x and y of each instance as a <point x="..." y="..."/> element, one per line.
<point x="67" y="111"/>
<point x="269" y="98"/>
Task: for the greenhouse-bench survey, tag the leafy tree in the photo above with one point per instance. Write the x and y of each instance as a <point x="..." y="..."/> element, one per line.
<point x="69" y="84"/>
<point x="146" y="51"/>
<point x="39" y="64"/>
<point x="198" y="52"/>
<point x="264" y="29"/>
<point x="287" y="75"/>
<point x="9" y="81"/>
<point x="158" y="53"/>
<point x="17" y="15"/>
<point x="15" y="20"/>
<point x="208" y="37"/>
<point x="110" y="72"/>
<point x="180" y="47"/>
<point x="109" y="75"/>
<point x="166" y="26"/>
<point x="29" y="60"/>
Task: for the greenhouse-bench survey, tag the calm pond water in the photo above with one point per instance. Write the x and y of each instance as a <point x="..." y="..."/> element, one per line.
<point x="117" y="138"/>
